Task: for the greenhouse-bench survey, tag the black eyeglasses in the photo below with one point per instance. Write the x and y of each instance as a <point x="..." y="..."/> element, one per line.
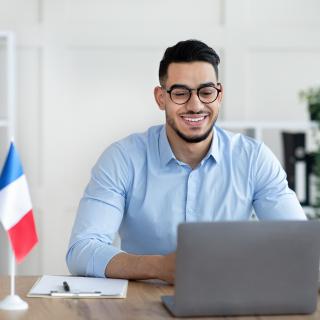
<point x="181" y="94"/>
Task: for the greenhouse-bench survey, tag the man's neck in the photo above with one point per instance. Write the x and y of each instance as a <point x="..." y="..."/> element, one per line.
<point x="189" y="153"/>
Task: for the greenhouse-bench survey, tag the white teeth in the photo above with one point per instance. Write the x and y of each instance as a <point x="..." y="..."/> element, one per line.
<point x="194" y="119"/>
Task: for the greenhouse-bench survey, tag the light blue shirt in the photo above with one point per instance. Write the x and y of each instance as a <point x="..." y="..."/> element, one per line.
<point x="139" y="189"/>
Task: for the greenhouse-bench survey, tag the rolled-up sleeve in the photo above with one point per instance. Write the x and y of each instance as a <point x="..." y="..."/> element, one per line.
<point x="273" y="199"/>
<point x="99" y="215"/>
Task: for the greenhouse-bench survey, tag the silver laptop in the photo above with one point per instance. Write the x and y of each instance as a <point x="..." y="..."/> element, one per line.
<point x="246" y="268"/>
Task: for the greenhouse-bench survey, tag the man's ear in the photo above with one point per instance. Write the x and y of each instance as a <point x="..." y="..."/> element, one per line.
<point x="159" y="96"/>
<point x="221" y="94"/>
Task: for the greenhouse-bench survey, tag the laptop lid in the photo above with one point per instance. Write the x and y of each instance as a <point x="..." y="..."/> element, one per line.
<point x="244" y="268"/>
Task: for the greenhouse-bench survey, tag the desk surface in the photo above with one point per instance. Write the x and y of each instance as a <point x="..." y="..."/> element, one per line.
<point x="142" y="302"/>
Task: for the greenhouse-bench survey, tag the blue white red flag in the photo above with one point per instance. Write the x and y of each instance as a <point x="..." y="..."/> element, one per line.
<point x="16" y="213"/>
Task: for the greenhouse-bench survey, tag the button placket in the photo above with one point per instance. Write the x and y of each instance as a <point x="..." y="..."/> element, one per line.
<point x="191" y="195"/>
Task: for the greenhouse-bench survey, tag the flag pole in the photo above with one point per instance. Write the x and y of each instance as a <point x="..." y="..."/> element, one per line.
<point x="13" y="301"/>
<point x="12" y="272"/>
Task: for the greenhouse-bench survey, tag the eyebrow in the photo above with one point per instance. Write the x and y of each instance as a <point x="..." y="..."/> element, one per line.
<point x="180" y="85"/>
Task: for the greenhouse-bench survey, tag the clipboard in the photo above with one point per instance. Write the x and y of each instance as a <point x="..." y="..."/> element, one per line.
<point x="50" y="286"/>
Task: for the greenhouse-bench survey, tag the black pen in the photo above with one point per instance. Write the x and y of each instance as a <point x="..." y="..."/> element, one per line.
<point x="66" y="286"/>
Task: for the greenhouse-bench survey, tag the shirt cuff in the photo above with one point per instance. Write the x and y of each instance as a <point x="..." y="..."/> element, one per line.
<point x="101" y="258"/>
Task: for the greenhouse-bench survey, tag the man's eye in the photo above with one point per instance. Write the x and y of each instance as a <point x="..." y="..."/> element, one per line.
<point x="207" y="92"/>
<point x="180" y="93"/>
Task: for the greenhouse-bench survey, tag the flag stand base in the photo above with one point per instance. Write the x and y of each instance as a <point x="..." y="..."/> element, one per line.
<point x="13" y="302"/>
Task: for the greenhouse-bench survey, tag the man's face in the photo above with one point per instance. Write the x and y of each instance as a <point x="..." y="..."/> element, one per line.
<point x="192" y="121"/>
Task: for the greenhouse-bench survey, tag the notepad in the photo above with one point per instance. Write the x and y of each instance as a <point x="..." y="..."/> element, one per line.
<point x="49" y="286"/>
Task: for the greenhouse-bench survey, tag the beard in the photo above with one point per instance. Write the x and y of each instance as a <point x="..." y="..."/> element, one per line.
<point x="191" y="139"/>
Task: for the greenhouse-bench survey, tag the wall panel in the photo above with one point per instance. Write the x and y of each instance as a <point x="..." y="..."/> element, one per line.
<point x="274" y="80"/>
<point x="22" y="12"/>
<point x="29" y="112"/>
<point x="282" y="13"/>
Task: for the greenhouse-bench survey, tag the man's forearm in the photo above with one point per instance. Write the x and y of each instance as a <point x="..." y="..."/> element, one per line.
<point x="129" y="266"/>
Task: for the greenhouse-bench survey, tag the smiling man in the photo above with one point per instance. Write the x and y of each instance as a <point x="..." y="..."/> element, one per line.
<point x="187" y="170"/>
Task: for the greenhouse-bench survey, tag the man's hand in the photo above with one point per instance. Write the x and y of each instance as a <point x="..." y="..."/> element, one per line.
<point x="129" y="266"/>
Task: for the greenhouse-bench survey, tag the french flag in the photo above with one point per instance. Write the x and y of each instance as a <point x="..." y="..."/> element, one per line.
<point x="16" y="213"/>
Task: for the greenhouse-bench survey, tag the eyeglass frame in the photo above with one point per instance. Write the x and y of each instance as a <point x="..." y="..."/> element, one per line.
<point x="182" y="86"/>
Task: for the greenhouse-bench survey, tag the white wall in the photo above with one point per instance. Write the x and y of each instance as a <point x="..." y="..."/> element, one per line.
<point x="75" y="57"/>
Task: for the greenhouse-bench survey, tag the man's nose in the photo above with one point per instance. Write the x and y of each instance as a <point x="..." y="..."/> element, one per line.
<point x="194" y="104"/>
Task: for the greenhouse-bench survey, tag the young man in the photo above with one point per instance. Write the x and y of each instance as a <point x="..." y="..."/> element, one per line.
<point x="187" y="170"/>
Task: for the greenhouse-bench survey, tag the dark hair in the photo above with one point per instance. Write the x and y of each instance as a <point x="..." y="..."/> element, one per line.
<point x="187" y="51"/>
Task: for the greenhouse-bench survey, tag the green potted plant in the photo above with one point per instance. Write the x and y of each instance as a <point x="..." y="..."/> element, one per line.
<point x="312" y="97"/>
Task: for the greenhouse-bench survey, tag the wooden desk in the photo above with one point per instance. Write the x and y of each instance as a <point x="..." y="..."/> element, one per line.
<point x="142" y="302"/>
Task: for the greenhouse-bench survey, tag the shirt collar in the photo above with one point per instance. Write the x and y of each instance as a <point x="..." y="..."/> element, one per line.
<point x="214" y="148"/>
<point x="165" y="151"/>
<point x="166" y="154"/>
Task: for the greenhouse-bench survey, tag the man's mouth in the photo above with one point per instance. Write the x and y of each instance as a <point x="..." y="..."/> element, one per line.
<point x="194" y="119"/>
